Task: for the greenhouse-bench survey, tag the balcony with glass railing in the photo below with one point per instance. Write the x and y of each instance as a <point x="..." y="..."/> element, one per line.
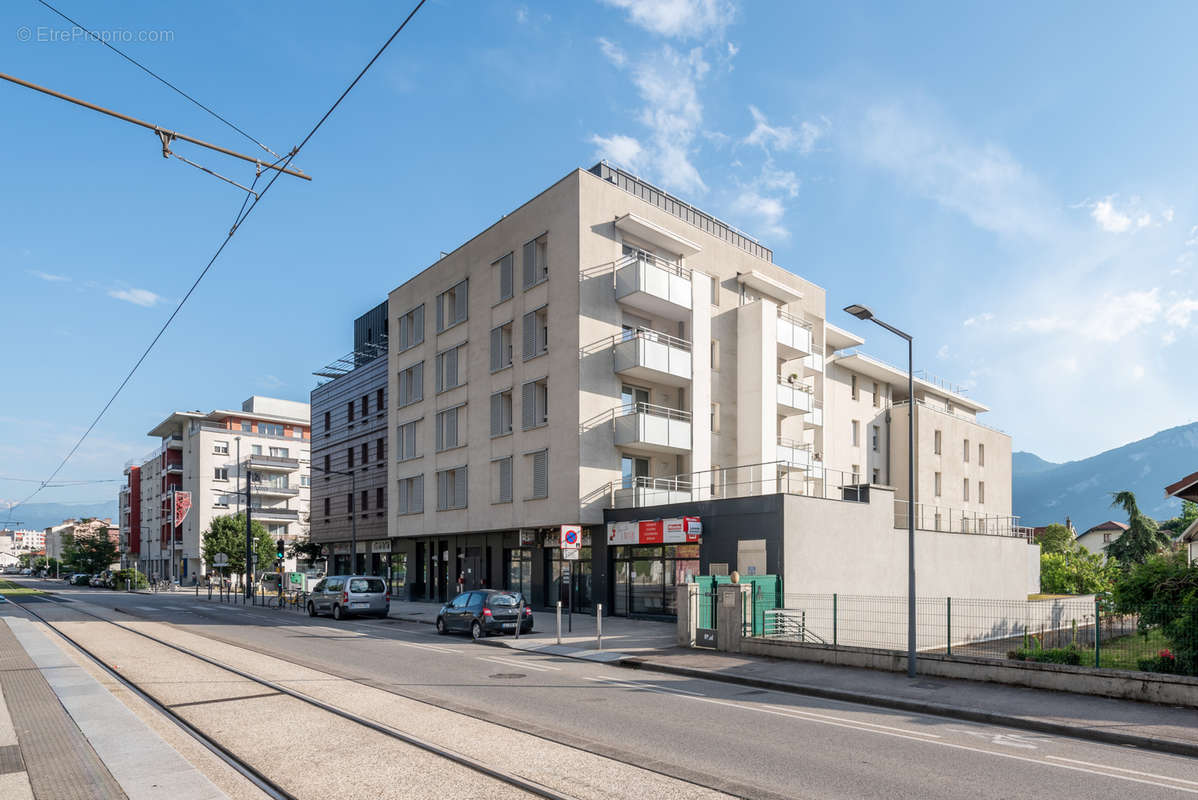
<point x="794" y="397"/>
<point x="814" y="419"/>
<point x="270" y="490"/>
<point x="653" y="285"/>
<point x="652" y="356"/>
<point x="794" y="336"/>
<point x="272" y="463"/>
<point x="644" y="491"/>
<point x="646" y="427"/>
<point x="792" y="454"/>
<point x="279" y="513"/>
<point x="814" y="363"/>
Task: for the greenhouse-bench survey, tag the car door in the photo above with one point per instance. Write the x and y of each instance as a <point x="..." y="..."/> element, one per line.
<point x="331" y="588"/>
<point x="455" y="614"/>
<point x="474" y="608"/>
<point x="317" y="593"/>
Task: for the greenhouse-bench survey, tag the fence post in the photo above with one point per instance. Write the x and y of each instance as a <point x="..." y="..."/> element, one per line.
<point x="834" y="619"/>
<point x="559" y="621"/>
<point x="948" y="625"/>
<point x="599" y="624"/>
<point x="1097" y="633"/>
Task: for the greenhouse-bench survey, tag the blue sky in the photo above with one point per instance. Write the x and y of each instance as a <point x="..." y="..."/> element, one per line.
<point x="1012" y="184"/>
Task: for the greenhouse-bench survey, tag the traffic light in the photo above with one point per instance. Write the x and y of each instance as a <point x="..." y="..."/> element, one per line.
<point x="279" y="549"/>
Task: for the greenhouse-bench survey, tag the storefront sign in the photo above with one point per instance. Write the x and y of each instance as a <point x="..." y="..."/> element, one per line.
<point x="341" y="548"/>
<point x="380" y="546"/>
<point x="528" y="537"/>
<point x="667" y="531"/>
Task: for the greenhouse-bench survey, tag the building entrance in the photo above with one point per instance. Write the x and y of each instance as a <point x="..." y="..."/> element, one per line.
<point x="646" y="577"/>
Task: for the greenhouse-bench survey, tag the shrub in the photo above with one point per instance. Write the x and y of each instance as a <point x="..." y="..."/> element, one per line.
<point x="1056" y="655"/>
<point x="1162" y="662"/>
<point x="136" y="578"/>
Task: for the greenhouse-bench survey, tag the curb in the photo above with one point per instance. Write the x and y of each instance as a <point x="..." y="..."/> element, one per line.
<point x="1171" y="746"/>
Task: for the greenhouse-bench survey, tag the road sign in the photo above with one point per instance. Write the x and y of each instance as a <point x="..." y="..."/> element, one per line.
<point x="571" y="540"/>
<point x="220" y="560"/>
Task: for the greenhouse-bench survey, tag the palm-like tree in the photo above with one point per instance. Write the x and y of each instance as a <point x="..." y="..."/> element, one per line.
<point x="1141" y="539"/>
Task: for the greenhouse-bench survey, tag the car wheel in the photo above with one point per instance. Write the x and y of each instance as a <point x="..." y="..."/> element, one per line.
<point x="311" y="609"/>
<point x="476" y="630"/>
<point x="441" y="629"/>
<point x="337" y="615"/>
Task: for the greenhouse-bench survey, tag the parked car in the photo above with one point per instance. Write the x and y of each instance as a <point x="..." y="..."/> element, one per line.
<point x="346" y="595"/>
<point x="484" y="612"/>
<point x="80" y="579"/>
<point x="27" y="571"/>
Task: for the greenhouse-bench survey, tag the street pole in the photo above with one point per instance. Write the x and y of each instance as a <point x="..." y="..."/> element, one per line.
<point x="238" y="493"/>
<point x="170" y="553"/>
<point x="249" y="552"/>
<point x="864" y="313"/>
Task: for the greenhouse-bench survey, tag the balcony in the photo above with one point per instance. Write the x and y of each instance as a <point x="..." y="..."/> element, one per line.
<point x="644" y="491"/>
<point x="266" y="490"/>
<point x="173" y="469"/>
<point x="653" y="428"/>
<point x="794" y="337"/>
<point x="654" y="357"/>
<point x="273" y="463"/>
<point x="266" y="512"/>
<point x="814" y="363"/>
<point x="173" y="442"/>
<point x="815" y="419"/>
<point x="654" y="286"/>
<point x="793" y="455"/>
<point x="793" y="398"/>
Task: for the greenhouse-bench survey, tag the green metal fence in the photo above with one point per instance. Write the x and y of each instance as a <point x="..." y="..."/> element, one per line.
<point x="1084" y="631"/>
<point x="765" y="593"/>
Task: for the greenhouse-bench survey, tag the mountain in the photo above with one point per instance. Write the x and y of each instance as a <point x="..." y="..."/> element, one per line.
<point x="43" y="515"/>
<point x="1045" y="492"/>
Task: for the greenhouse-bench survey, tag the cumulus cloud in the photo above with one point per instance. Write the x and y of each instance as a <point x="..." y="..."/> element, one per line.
<point x="1179" y="312"/>
<point x="139" y="297"/>
<point x="1108" y="218"/>
<point x="942" y="353"/>
<point x="622" y="150"/>
<point x="985" y="316"/>
<point x="782" y="137"/>
<point x="682" y="19"/>
<point x="762" y="199"/>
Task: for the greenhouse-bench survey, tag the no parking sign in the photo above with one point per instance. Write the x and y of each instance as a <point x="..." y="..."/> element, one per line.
<point x="571" y="540"/>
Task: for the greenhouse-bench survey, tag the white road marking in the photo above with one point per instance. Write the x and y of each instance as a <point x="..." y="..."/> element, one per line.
<point x="630" y="684"/>
<point x="1121" y="769"/>
<point x="996" y="737"/>
<point x="433" y="647"/>
<point x="806" y="714"/>
<point x="523" y="664"/>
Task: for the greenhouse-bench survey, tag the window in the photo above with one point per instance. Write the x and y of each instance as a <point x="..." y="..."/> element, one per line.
<point x="936" y="484"/>
<point x="948" y="406"/>
<point x="327" y="506"/>
<point x="276" y="529"/>
<point x="981" y="491"/>
<point x="853" y="386"/>
<point x="452" y="306"/>
<point x="965" y="489"/>
<point x="539" y="474"/>
<point x="365" y="498"/>
<point x="270" y="429"/>
<point x="632" y="468"/>
<point x="981" y="455"/>
<point x="1106" y="538"/>
<point x="501" y="480"/>
<point x="411" y="385"/>
<point x="349" y="503"/>
<point x="936" y="442"/>
<point x="877" y="396"/>
<point x="937" y="520"/>
<point x="536" y="261"/>
<point x="365" y="405"/>
<point x="328" y="465"/>
<point x="715" y="290"/>
<point x="380" y="401"/>
<point x="380" y="448"/>
<point x="877" y="436"/>
<point x="536" y="332"/>
<point x="411" y="495"/>
<point x="411" y="328"/>
<point x="534" y="402"/>
<point x="220" y="474"/>
<point x="380" y="498"/>
<point x="876" y="476"/>
<point x="349" y="458"/>
<point x="503" y="272"/>
<point x="856" y="433"/>
<point x="349" y="410"/>
<point x="305" y="480"/>
<point x="715" y="417"/>
<point x="449" y="428"/>
<point x="365" y="453"/>
<point x="246" y="427"/>
<point x="405" y="441"/>
<point x="715" y="355"/>
<point x="501" y="413"/>
<point x="501" y="347"/>
<point x="451" y="489"/>
<point x="328" y="421"/>
<point x="220" y="448"/>
<point x="965" y="451"/>
<point x="221" y="501"/>
<point x="280" y="452"/>
<point x="450" y="372"/>
<point x="856" y="473"/>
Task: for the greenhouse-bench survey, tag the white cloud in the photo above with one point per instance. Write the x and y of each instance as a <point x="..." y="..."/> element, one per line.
<point x="612" y="51"/>
<point x="683" y="19"/>
<point x="768" y="211"/>
<point x="1132" y="217"/>
<point x="1178" y="313"/>
<point x="1108" y="218"/>
<point x="522" y="14"/>
<point x="1109" y="319"/>
<point x="140" y="297"/>
<point x="623" y="150"/>
<point x="985" y="316"/>
<point x="783" y="137"/>
<point x="942" y="353"/>
<point x="1167" y="215"/>
<point x="732" y="50"/>
<point x="668" y="83"/>
<point x="1137" y="372"/>
<point x="46" y="276"/>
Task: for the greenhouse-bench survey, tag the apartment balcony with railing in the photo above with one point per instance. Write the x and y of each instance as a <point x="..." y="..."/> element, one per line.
<point x="794" y="336"/>
<point x="774" y="477"/>
<point x="814" y="419"/>
<point x="930" y="517"/>
<point x="275" y="513"/>
<point x="794" y="397"/>
<point x="654" y="286"/>
<point x="814" y="363"/>
<point x="652" y="356"/>
<point x="269" y="463"/>
<point x="793" y="455"/>
<point x="644" y="491"/>
<point x="646" y="427"/>
<point x="268" y="490"/>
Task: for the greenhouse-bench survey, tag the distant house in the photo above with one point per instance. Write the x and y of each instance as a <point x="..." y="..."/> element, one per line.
<point x="1102" y="534"/>
<point x="1187" y="489"/>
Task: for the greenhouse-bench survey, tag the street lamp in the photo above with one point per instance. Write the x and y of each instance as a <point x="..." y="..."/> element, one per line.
<point x="863" y="312"/>
<point x="353" y="517"/>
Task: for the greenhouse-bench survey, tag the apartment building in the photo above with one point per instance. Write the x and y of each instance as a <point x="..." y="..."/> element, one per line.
<point x="25" y="539"/>
<point x="349" y="454"/>
<point x="56" y="536"/>
<point x="213" y="455"/>
<point x="608" y="353"/>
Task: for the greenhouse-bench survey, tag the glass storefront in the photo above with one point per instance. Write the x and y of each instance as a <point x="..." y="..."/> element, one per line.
<point x="646" y="577"/>
<point x="579" y="590"/>
<point x="517" y="573"/>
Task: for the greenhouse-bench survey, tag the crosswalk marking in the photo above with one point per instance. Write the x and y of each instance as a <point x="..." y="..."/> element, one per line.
<point x="522" y="663"/>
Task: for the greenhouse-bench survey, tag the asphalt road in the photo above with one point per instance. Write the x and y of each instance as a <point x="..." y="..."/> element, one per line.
<point x="751" y="742"/>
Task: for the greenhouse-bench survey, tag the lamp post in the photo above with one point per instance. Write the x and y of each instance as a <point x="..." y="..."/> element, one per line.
<point x="862" y="312"/>
<point x="353" y="517"/>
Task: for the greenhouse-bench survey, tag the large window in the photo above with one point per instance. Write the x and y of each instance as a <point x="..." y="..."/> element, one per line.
<point x="501" y="347"/>
<point x="647" y="577"/>
<point x="501" y="413"/>
<point x="503" y="276"/>
<point x="280" y="452"/>
<point x="451" y="425"/>
<point x="411" y="385"/>
<point x="452" y="306"/>
<point x="536" y="261"/>
<point x="405" y="441"/>
<point x="451" y="371"/>
<point x="501" y="480"/>
<point x="411" y="495"/>
<point x="538" y="474"/>
<point x="534" y="402"/>
<point x="411" y="328"/>
<point x="536" y="332"/>
<point x="451" y="489"/>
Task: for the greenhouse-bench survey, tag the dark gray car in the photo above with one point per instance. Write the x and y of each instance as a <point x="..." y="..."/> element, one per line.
<point x="346" y="595"/>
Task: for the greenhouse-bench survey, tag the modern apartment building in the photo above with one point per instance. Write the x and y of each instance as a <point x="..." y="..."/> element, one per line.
<point x="212" y="455"/>
<point x="607" y="352"/>
<point x="349" y="453"/>
<point x="25" y="539"/>
<point x="56" y="536"/>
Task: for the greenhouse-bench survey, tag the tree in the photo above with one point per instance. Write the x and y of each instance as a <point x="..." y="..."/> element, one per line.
<point x="306" y="551"/>
<point x="1076" y="571"/>
<point x="1163" y="590"/>
<point x="1141" y="539"/>
<point x="226" y="535"/>
<point x="1056" y="538"/>
<point x="95" y="553"/>
<point x="1177" y="525"/>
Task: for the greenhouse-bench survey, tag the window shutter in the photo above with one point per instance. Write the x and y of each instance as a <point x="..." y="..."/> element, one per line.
<point x="441" y="300"/>
<point x="451" y="369"/>
<point x="451" y="428"/>
<point x="496" y="349"/>
<point x="528" y="405"/>
<point x="439" y="368"/>
<point x="441" y="431"/>
<point x="441" y="476"/>
<point x="404" y="387"/>
<point x="530" y="334"/>
<point x="540" y="474"/>
<point x="417" y="382"/>
<point x="542" y="402"/>
<point x="459" y="486"/>
<point x="530" y="254"/>
<point x="505" y="277"/>
<point x="496" y="414"/>
<point x="418" y="325"/>
<point x="417" y="498"/>
<point x="403" y="497"/>
<point x="459" y="297"/>
<point x="505" y="480"/>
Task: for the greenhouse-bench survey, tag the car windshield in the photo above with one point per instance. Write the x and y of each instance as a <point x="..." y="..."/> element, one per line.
<point x="373" y="585"/>
<point x="505" y="600"/>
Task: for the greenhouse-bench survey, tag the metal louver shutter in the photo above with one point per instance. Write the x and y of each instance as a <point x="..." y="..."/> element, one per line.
<point x="441" y="300"/>
<point x="417" y="497"/>
<point x="496" y="414"/>
<point x="459" y="486"/>
<point x="496" y="349"/>
<point x="439" y="369"/>
<point x="451" y="368"/>
<point x="417" y="382"/>
<point x="404" y="387"/>
<point x="402" y="500"/>
<point x="451" y="428"/>
<point x="529" y="329"/>
<point x="459" y="302"/>
<point x="441" y="431"/>
<point x="528" y="405"/>
<point x="505" y="277"/>
<point x="417" y="326"/>
<point x="540" y="474"/>
<point x="505" y="480"/>
<point x="530" y="254"/>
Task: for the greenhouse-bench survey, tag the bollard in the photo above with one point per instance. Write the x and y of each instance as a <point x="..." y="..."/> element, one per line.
<point x="599" y="624"/>
<point x="559" y="621"/>
<point x="519" y="616"/>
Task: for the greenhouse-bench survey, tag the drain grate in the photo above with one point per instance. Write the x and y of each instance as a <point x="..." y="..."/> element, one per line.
<point x="508" y="675"/>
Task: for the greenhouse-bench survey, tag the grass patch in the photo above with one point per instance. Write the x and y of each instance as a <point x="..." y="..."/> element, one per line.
<point x="1125" y="651"/>
<point x="10" y="589"/>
